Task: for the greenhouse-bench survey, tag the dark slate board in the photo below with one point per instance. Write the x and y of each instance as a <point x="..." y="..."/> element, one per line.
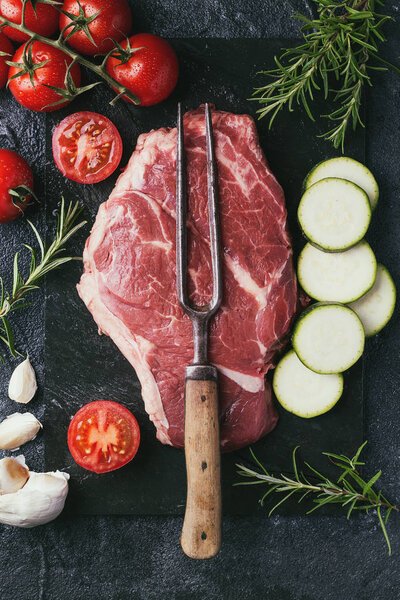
<point x="81" y="366"/>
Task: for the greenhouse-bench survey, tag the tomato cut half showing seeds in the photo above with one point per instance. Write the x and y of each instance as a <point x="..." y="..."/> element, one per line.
<point x="86" y="147"/>
<point x="103" y="436"/>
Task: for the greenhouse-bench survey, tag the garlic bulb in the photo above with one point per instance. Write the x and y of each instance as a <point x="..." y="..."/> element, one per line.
<point x="23" y="386"/>
<point x="39" y="501"/>
<point x="13" y="474"/>
<point x="17" y="429"/>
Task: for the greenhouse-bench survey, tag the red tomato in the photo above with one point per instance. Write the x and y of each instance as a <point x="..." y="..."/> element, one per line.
<point x="44" y="22"/>
<point x="14" y="172"/>
<point x="5" y="46"/>
<point x="39" y="97"/>
<point x="151" y="73"/>
<point x="86" y="147"/>
<point x="114" y="21"/>
<point x="103" y="436"/>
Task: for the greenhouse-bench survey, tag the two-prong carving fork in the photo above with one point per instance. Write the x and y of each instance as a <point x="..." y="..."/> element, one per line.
<point x="201" y="532"/>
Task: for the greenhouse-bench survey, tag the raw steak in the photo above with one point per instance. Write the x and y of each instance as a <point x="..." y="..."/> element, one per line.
<point x="129" y="274"/>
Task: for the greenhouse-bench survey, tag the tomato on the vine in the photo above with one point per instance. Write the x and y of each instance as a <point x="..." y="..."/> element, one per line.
<point x="38" y="96"/>
<point x="5" y="46"/>
<point x="86" y="147"/>
<point x="150" y="73"/>
<point x="39" y="17"/>
<point x="113" y="22"/>
<point x="103" y="436"/>
<point x="14" y="173"/>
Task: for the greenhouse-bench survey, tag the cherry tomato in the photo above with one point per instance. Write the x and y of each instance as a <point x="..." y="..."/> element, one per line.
<point x="103" y="436"/>
<point x="151" y="73"/>
<point x="5" y="46"/>
<point x="86" y="147"/>
<point x="14" y="172"/>
<point x="44" y="22"/>
<point x="38" y="96"/>
<point x="112" y="23"/>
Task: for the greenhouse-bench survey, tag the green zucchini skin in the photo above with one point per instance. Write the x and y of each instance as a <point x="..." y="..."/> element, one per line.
<point x="377" y="324"/>
<point x="300" y="353"/>
<point x="322" y="296"/>
<point x="321" y="187"/>
<point x="302" y="401"/>
<point x="335" y="166"/>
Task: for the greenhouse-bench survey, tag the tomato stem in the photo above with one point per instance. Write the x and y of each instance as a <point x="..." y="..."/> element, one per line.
<point x="99" y="70"/>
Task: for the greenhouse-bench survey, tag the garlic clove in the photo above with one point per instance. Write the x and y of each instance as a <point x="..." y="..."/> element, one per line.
<point x="17" y="429"/>
<point x="40" y="500"/>
<point x="23" y="386"/>
<point x="13" y="475"/>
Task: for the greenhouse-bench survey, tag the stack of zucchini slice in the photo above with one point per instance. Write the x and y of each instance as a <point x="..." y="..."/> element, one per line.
<point x="337" y="267"/>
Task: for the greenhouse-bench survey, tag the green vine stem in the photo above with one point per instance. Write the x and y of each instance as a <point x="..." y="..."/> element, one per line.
<point x="99" y="70"/>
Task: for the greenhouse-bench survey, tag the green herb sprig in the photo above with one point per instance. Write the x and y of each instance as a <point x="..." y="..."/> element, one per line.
<point x="51" y="258"/>
<point x="335" y="57"/>
<point x="78" y="23"/>
<point x="350" y="490"/>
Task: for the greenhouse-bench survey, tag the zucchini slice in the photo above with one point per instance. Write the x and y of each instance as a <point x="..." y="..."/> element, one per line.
<point x="334" y="214"/>
<point x="339" y="276"/>
<point x="303" y="392"/>
<point x="377" y="306"/>
<point x="344" y="167"/>
<point x="328" y="338"/>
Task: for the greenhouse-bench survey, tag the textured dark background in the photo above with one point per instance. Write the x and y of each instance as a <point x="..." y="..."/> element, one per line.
<point x="283" y="558"/>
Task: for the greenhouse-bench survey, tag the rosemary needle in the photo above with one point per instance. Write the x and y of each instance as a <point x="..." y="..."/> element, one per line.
<point x="335" y="57"/>
<point x="349" y="490"/>
<point x="51" y="258"/>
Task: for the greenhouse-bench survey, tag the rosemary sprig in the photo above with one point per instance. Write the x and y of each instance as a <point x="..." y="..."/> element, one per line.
<point x="78" y="23"/>
<point x="337" y="50"/>
<point x="350" y="490"/>
<point x="51" y="258"/>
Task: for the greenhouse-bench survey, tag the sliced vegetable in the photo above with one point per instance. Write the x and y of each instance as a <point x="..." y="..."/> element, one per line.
<point x="377" y="306"/>
<point x="103" y="436"/>
<point x="339" y="276"/>
<point x="108" y="20"/>
<point x="86" y="147"/>
<point x="334" y="214"/>
<point x="16" y="175"/>
<point x="328" y="338"/>
<point x="302" y="391"/>
<point x="346" y="168"/>
<point x="147" y="66"/>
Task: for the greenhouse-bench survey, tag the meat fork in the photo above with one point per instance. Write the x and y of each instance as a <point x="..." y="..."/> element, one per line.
<point x="201" y="531"/>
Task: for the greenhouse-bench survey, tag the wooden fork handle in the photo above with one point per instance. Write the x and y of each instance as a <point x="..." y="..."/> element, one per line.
<point x="201" y="531"/>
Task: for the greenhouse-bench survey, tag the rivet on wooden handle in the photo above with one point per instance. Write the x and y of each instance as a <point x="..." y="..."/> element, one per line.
<point x="201" y="531"/>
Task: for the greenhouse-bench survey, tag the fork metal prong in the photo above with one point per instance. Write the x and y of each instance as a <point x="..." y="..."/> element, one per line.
<point x="181" y="213"/>
<point x="213" y="214"/>
<point x="205" y="312"/>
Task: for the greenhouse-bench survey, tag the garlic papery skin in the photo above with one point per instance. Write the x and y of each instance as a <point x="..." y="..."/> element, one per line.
<point x="13" y="475"/>
<point x="17" y="429"/>
<point x="23" y="386"/>
<point x="40" y="501"/>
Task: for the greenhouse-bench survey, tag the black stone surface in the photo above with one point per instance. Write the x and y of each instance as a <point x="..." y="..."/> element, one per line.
<point x="81" y="366"/>
<point x="284" y="558"/>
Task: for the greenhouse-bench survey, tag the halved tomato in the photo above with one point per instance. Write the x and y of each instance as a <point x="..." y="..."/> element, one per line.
<point x="86" y="147"/>
<point x="103" y="436"/>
